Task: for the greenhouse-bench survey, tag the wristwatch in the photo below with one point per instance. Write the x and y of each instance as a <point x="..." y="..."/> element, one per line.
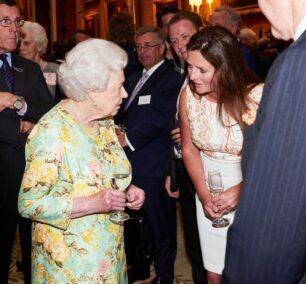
<point x="18" y="104"/>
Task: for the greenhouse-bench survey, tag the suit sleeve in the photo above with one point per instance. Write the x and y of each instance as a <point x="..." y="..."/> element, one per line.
<point x="267" y="241"/>
<point x="40" y="99"/>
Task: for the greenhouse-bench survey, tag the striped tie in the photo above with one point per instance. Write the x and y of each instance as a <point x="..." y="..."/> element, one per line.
<point x="7" y="72"/>
<point x="141" y="82"/>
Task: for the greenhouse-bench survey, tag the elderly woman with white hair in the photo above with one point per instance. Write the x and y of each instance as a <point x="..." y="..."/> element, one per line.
<point x="33" y="44"/>
<point x="71" y="157"/>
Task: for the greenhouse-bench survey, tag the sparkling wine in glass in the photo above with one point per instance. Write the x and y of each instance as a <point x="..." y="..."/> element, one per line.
<point x="119" y="181"/>
<point x="215" y="184"/>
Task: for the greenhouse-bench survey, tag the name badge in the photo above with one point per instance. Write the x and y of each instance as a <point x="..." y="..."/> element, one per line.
<point x="236" y="131"/>
<point x="50" y="78"/>
<point x="144" y="100"/>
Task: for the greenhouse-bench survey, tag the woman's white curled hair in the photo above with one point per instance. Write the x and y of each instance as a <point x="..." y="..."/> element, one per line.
<point x="88" y="67"/>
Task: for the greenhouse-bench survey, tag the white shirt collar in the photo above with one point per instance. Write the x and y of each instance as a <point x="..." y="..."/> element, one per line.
<point x="300" y="29"/>
<point x="152" y="69"/>
<point x="9" y="59"/>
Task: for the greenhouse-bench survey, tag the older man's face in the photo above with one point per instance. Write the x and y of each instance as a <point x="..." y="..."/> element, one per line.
<point x="149" y="50"/>
<point x="279" y="15"/>
<point x="221" y="19"/>
<point x="8" y="35"/>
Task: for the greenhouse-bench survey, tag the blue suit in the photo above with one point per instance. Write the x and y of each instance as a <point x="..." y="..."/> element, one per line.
<point x="148" y="124"/>
<point x="267" y="241"/>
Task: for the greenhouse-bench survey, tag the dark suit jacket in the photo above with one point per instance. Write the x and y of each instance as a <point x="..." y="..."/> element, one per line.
<point x="30" y="84"/>
<point x="148" y="125"/>
<point x="267" y="241"/>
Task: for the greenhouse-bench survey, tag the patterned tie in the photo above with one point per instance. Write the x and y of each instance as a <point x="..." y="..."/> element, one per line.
<point x="8" y="72"/>
<point x="141" y="82"/>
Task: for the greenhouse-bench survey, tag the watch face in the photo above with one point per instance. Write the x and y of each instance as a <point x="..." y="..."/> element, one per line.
<point x="18" y="104"/>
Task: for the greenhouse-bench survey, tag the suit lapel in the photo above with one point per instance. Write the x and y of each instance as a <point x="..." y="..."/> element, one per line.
<point x="150" y="81"/>
<point x="130" y="87"/>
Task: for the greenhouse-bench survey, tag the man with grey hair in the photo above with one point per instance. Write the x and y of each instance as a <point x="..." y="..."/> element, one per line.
<point x="267" y="241"/>
<point x="147" y="115"/>
<point x="24" y="98"/>
<point x="229" y="19"/>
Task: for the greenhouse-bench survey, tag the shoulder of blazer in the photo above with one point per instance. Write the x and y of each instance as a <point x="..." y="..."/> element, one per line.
<point x="165" y="70"/>
<point x="21" y="63"/>
<point x="131" y="81"/>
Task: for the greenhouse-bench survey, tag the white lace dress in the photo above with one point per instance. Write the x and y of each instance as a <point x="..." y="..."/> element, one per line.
<point x="220" y="148"/>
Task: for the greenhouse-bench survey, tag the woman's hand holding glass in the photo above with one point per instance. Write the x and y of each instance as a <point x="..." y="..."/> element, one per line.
<point x="120" y="180"/>
<point x="110" y="200"/>
<point x="216" y="187"/>
<point x="227" y="201"/>
<point x="210" y="210"/>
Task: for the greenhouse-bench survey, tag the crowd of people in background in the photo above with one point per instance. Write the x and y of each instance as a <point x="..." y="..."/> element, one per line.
<point x="205" y="114"/>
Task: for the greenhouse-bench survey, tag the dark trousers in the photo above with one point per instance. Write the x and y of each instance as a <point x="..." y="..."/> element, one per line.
<point x="190" y="226"/>
<point x="159" y="212"/>
<point x="11" y="172"/>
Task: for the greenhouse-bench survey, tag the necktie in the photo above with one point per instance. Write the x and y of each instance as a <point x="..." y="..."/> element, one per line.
<point x="8" y="72"/>
<point x="141" y="82"/>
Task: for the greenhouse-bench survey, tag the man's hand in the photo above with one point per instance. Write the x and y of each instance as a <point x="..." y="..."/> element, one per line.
<point x="7" y="100"/>
<point x="121" y="138"/>
<point x="175" y="194"/>
<point x="26" y="126"/>
<point x="176" y="135"/>
<point x="135" y="197"/>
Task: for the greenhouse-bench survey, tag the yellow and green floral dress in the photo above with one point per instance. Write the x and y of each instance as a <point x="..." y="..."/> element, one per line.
<point x="64" y="161"/>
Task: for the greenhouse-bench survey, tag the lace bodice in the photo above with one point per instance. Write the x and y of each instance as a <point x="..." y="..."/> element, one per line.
<point x="209" y="134"/>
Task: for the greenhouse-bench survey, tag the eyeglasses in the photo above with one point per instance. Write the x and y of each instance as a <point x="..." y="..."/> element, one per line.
<point x="146" y="46"/>
<point x="7" y="22"/>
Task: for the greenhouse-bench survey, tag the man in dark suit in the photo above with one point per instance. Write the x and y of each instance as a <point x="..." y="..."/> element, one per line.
<point x="229" y="19"/>
<point x="181" y="27"/>
<point x="267" y="241"/>
<point x="24" y="98"/>
<point x="147" y="117"/>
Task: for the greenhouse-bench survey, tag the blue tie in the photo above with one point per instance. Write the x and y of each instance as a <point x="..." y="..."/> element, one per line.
<point x="8" y="72"/>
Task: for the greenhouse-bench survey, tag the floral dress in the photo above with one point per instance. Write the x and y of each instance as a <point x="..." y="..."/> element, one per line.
<point x="64" y="161"/>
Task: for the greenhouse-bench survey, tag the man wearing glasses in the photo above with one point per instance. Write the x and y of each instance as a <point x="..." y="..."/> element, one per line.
<point x="24" y="98"/>
<point x="147" y="114"/>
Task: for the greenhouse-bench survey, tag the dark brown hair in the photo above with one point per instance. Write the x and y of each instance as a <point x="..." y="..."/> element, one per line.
<point x="121" y="29"/>
<point x="232" y="80"/>
<point x="194" y="18"/>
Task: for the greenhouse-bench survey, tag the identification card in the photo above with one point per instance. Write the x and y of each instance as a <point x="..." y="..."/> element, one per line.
<point x="144" y="100"/>
<point x="236" y="131"/>
<point x="50" y="78"/>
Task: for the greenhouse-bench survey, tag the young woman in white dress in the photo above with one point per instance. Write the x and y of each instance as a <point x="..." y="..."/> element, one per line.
<point x="221" y="99"/>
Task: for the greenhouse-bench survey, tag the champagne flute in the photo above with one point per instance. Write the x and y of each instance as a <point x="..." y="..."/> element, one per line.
<point x="216" y="187"/>
<point x="119" y="181"/>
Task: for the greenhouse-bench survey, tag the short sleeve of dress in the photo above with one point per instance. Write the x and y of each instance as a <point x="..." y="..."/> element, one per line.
<point x="256" y="94"/>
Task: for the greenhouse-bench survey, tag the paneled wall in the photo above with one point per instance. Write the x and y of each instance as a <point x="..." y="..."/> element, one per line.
<point x="94" y="15"/>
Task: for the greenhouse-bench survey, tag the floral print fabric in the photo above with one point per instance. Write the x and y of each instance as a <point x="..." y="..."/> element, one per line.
<point x="209" y="134"/>
<point x="64" y="161"/>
